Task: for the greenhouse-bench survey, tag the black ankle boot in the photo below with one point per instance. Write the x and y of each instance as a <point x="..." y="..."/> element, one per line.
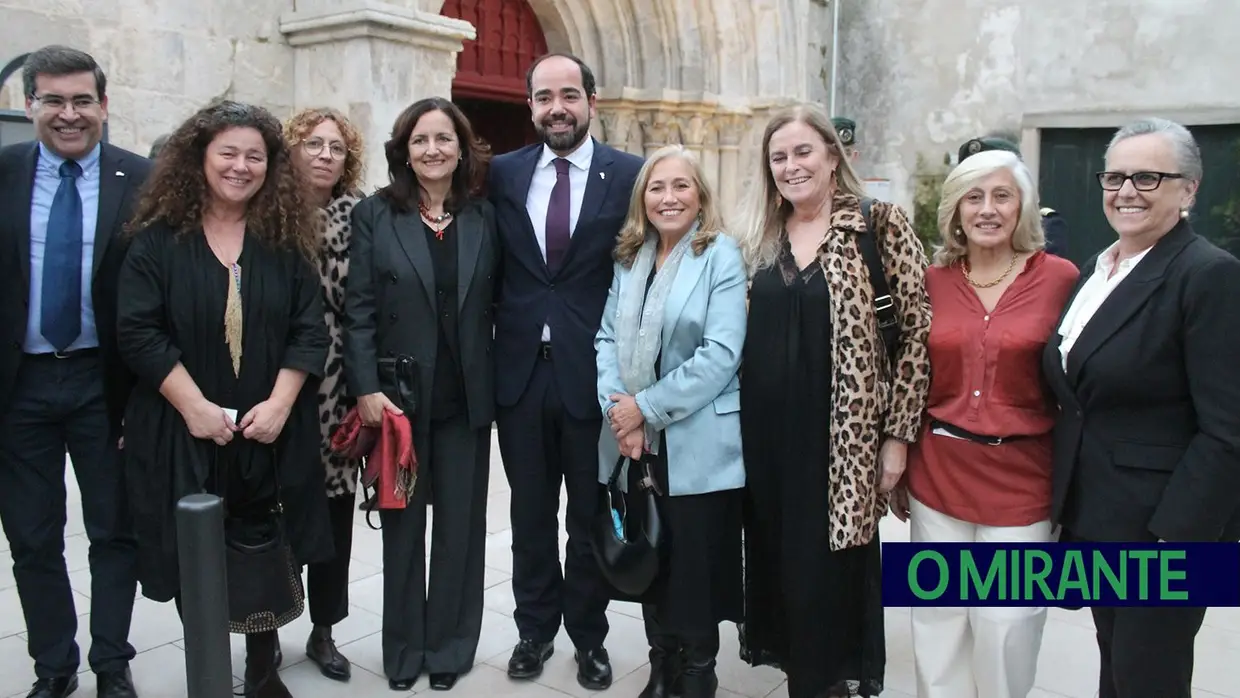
<point x="262" y="679"/>
<point x="699" y="678"/>
<point x="665" y="679"/>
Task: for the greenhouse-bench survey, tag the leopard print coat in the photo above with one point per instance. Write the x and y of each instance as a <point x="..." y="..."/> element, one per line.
<point x="334" y="403"/>
<point x="869" y="401"/>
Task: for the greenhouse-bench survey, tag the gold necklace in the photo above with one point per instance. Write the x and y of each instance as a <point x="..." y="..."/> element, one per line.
<point x="964" y="269"/>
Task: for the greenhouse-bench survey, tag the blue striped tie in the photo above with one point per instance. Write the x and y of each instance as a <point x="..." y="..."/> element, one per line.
<point x="61" y="317"/>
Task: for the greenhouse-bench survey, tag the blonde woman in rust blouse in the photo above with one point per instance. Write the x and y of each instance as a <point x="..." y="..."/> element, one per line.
<point x="981" y="470"/>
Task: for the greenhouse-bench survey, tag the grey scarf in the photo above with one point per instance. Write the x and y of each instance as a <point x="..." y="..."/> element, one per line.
<point x="639" y="316"/>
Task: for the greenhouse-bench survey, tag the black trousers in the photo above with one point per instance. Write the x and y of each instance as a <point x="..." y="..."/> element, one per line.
<point x="436" y="629"/>
<point x="1146" y="652"/>
<point x="57" y="406"/>
<point x="542" y="445"/>
<point x="327" y="583"/>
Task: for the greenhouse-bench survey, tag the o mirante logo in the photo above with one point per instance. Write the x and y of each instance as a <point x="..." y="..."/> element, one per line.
<point x="1061" y="574"/>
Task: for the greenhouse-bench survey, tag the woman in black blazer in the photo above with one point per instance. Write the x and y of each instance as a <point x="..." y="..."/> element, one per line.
<point x="423" y="260"/>
<point x="1147" y="445"/>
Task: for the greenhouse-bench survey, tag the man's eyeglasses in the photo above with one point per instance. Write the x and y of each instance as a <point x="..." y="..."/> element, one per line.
<point x="314" y="146"/>
<point x="1141" y="181"/>
<point x="58" y="103"/>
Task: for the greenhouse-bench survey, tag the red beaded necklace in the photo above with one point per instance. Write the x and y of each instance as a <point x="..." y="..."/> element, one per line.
<point x="434" y="221"/>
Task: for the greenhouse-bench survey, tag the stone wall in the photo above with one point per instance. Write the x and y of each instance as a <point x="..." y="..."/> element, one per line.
<point x="703" y="72"/>
<point x="163" y="60"/>
<point x="923" y="77"/>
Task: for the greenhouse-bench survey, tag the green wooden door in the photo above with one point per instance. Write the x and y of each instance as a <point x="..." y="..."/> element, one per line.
<point x="1071" y="157"/>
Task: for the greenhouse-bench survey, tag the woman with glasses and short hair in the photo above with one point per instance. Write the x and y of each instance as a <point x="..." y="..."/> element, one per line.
<point x="1147" y="441"/>
<point x="327" y="154"/>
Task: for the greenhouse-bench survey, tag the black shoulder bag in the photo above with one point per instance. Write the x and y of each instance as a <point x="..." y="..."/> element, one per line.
<point x="265" y="591"/>
<point x="627" y="547"/>
<point x="884" y="306"/>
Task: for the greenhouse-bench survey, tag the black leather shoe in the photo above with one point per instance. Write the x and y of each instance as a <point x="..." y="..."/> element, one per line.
<point x="115" y="684"/>
<point x="528" y="659"/>
<point x="594" y="669"/>
<point x="443" y="682"/>
<point x="402" y="684"/>
<point x="58" y="687"/>
<point x="321" y="650"/>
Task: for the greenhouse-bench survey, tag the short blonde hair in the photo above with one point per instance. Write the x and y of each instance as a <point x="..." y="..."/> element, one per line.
<point x="637" y="226"/>
<point x="1028" y="235"/>
<point x="301" y="124"/>
<point x="766" y="212"/>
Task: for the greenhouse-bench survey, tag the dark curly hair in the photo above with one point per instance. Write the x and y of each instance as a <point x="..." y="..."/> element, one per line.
<point x="471" y="173"/>
<point x="176" y="193"/>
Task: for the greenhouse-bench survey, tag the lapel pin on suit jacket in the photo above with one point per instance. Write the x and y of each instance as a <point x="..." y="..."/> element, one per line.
<point x="120" y="174"/>
<point x="602" y="175"/>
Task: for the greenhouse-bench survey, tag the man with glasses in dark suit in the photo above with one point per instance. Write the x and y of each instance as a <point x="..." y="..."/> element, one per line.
<point x="63" y="201"/>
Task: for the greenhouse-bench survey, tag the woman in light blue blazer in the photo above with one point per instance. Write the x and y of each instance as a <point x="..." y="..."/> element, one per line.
<point x="669" y="351"/>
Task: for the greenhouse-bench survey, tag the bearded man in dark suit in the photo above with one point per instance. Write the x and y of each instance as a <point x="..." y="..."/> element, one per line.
<point x="559" y="206"/>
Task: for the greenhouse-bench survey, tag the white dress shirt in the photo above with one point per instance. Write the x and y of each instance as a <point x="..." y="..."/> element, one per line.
<point x="1095" y="291"/>
<point x="539" y="196"/>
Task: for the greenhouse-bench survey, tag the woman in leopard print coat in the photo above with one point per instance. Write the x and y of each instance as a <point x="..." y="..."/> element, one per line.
<point x="327" y="150"/>
<point x="826" y="415"/>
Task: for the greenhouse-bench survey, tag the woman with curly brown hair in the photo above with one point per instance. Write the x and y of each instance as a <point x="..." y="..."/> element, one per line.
<point x="221" y="319"/>
<point x="327" y="152"/>
<point x="417" y="340"/>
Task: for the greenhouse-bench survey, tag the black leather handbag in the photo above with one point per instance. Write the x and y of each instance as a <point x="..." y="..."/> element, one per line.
<point x="627" y="538"/>
<point x="264" y="585"/>
<point x="265" y="590"/>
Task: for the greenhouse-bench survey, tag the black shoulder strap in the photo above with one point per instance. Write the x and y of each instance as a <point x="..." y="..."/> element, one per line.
<point x="884" y="307"/>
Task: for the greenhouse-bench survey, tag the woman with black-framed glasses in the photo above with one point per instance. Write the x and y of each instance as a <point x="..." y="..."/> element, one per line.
<point x="326" y="151"/>
<point x="1147" y="442"/>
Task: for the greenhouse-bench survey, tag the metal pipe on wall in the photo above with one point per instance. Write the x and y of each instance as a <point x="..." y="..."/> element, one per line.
<point x="204" y="600"/>
<point x="835" y="50"/>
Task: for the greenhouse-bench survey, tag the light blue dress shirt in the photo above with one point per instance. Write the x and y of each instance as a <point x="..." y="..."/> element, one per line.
<point x="46" y="182"/>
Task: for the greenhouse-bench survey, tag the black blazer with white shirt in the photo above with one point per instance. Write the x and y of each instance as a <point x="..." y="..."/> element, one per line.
<point x="1147" y="443"/>
<point x="570" y="300"/>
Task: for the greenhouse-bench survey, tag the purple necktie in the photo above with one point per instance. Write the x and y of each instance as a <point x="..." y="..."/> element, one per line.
<point x="558" y="217"/>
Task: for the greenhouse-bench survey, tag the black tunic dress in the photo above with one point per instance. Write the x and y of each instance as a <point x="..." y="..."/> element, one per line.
<point x="814" y="613"/>
<point x="171" y="309"/>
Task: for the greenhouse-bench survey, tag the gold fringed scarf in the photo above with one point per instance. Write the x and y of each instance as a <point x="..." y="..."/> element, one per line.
<point x="232" y="319"/>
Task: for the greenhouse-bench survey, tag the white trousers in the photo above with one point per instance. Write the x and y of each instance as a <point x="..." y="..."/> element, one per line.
<point x="974" y="652"/>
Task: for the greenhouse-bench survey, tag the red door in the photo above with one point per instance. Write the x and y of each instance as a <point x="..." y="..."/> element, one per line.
<point x="490" y="70"/>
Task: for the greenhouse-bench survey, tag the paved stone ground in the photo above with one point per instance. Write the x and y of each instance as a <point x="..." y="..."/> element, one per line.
<point x="1067" y="668"/>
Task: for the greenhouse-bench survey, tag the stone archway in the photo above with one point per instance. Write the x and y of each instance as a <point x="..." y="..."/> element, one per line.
<point x="14" y="126"/>
<point x="489" y="85"/>
<point x="703" y="73"/>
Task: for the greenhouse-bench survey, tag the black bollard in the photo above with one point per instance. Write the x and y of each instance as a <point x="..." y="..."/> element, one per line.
<point x="204" y="592"/>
